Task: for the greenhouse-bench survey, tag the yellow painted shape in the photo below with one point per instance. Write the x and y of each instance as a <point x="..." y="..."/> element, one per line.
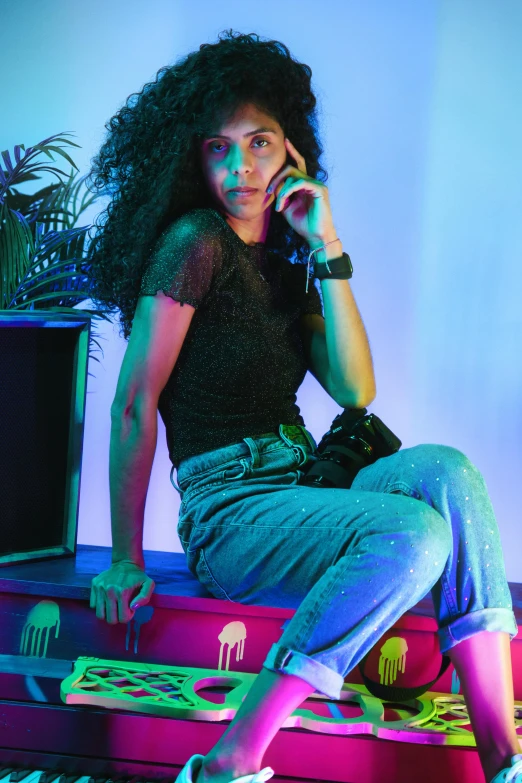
<point x="42" y="617"/>
<point x="392" y="660"/>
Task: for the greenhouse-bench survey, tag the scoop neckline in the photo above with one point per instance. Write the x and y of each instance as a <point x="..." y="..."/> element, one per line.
<point x="256" y="246"/>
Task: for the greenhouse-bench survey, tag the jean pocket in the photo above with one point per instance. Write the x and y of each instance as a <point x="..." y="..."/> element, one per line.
<point x="206" y="578"/>
<point x="401" y="488"/>
<point x="223" y="474"/>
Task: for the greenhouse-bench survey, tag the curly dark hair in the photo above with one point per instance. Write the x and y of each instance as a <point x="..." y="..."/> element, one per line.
<point x="150" y="164"/>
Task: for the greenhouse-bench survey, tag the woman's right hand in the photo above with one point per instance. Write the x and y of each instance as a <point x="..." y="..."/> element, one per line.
<point x="114" y="590"/>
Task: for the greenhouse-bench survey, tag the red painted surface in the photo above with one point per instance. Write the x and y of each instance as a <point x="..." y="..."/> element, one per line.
<point x="182" y="625"/>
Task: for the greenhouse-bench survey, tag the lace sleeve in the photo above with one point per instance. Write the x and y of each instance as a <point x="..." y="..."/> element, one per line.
<point x="184" y="260"/>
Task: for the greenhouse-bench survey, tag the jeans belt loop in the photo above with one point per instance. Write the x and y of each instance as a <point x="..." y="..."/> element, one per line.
<point x="254" y="451"/>
<point x="174" y="483"/>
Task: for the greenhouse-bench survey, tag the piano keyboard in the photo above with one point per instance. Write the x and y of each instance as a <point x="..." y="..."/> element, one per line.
<point x="19" y="775"/>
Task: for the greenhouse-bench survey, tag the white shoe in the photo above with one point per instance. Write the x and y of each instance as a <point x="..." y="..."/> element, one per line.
<point x="190" y="770"/>
<point x="512" y="774"/>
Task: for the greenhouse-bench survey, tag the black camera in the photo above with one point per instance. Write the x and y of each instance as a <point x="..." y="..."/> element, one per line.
<point x="354" y="440"/>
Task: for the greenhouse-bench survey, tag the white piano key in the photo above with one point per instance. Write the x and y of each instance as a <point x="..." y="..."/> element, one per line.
<point x="31" y="778"/>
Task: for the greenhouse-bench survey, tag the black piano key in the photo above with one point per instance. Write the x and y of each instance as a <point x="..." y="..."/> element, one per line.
<point x="50" y="775"/>
<point x="108" y="779"/>
<point x="5" y="772"/>
<point x="65" y="778"/>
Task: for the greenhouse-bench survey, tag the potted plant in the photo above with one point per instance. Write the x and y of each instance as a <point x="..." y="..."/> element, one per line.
<point x="41" y="247"/>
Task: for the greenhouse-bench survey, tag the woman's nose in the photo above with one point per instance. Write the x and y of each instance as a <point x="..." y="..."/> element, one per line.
<point x="240" y="160"/>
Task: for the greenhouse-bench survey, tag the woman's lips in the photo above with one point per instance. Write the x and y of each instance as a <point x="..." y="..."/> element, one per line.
<point x="242" y="193"/>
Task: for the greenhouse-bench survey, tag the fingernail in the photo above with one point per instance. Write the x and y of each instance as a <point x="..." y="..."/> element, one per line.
<point x="269" y="189"/>
<point x="134" y="606"/>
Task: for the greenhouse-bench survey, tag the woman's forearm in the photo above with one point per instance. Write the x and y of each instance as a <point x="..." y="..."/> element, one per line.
<point x="132" y="448"/>
<point x="349" y="354"/>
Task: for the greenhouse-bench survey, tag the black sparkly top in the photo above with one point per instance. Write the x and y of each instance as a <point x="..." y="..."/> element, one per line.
<point x="242" y="360"/>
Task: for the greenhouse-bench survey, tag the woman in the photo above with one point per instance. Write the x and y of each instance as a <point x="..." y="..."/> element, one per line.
<point x="178" y="239"/>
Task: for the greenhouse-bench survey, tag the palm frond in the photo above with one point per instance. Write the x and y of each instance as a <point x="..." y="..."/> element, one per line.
<point x="42" y="251"/>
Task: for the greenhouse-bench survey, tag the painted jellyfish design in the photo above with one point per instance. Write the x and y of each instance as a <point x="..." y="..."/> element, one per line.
<point x="455" y="682"/>
<point x="142" y="615"/>
<point x="42" y="617"/>
<point x="393" y="659"/>
<point x="232" y="634"/>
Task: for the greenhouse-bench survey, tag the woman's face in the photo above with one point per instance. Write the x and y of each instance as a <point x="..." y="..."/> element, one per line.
<point x="248" y="151"/>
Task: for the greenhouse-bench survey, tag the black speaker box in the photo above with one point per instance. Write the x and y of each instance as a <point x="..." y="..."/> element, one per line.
<point x="43" y="381"/>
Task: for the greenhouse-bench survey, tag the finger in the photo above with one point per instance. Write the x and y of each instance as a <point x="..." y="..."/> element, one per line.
<point x="110" y="610"/>
<point x="278" y="179"/>
<point x="125" y="613"/>
<point x="100" y="605"/>
<point x="291" y="186"/>
<point x="105" y="604"/>
<point x="130" y="602"/>
<point x="143" y="597"/>
<point x="149" y="586"/>
<point x="92" y="600"/>
<point x="283" y="190"/>
<point x="303" y="185"/>
<point x="145" y="593"/>
<point x="301" y="164"/>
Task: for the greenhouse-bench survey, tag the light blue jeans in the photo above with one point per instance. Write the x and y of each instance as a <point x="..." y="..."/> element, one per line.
<point x="352" y="561"/>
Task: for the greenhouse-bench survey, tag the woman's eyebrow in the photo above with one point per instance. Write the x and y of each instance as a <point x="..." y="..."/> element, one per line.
<point x="250" y="133"/>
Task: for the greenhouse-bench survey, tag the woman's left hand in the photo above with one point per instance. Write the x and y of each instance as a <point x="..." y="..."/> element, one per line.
<point x="303" y="201"/>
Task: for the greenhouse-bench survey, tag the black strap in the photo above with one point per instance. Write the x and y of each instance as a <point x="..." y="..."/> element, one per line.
<point x="391" y="692"/>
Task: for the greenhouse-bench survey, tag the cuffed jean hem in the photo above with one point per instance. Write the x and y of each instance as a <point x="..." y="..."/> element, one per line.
<point x="320" y="677"/>
<point x="470" y="624"/>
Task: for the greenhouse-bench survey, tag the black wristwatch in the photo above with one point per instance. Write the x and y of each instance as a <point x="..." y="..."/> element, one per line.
<point x="340" y="268"/>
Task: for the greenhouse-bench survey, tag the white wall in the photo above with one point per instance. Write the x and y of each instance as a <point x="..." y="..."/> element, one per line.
<point x="422" y="124"/>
